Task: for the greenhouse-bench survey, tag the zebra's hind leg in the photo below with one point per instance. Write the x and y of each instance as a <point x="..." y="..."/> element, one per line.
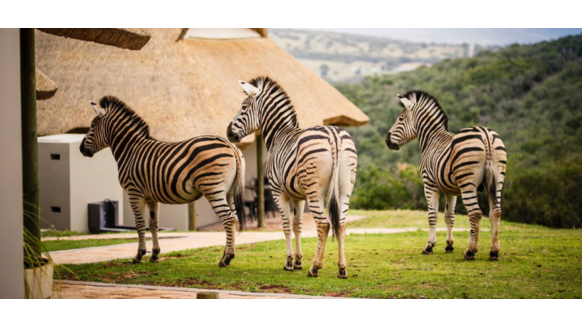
<point x="495" y="218"/>
<point x="138" y="206"/>
<point x="154" y="225"/>
<point x="227" y="216"/>
<point x="432" y="198"/>
<point x="450" y="221"/>
<point x="316" y="207"/>
<point x="469" y="195"/>
<point x="298" y="205"/>
<point x="284" y="207"/>
<point x="341" y="237"/>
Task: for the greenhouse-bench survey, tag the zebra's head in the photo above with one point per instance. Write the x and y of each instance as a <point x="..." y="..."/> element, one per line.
<point x="404" y="130"/>
<point x="247" y="120"/>
<point x="95" y="139"/>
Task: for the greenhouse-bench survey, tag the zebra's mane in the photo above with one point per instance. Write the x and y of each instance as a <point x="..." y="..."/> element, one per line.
<point x="113" y="104"/>
<point x="270" y="86"/>
<point x="424" y="98"/>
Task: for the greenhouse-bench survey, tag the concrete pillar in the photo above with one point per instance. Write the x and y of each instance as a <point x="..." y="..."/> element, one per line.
<point x="12" y="268"/>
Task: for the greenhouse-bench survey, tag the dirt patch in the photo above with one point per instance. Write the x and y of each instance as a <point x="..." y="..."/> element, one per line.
<point x="191" y="282"/>
<point x="336" y="294"/>
<point x="275" y="289"/>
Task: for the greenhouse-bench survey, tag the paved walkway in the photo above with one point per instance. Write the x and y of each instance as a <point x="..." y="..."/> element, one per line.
<point x="187" y="240"/>
<point x="95" y="290"/>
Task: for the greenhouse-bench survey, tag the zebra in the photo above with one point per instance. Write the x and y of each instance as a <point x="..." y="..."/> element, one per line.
<point x="153" y="171"/>
<point x="302" y="165"/>
<point x="454" y="164"/>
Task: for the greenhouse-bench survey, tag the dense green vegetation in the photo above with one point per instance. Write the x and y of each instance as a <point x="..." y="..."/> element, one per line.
<point x="530" y="94"/>
<point x="539" y="261"/>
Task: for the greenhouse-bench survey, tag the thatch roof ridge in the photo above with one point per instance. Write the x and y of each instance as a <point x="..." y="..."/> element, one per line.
<point x="126" y="38"/>
<point x="45" y="87"/>
<point x="182" y="89"/>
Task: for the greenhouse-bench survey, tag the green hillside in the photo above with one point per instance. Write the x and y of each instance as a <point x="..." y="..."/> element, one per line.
<point x="530" y="94"/>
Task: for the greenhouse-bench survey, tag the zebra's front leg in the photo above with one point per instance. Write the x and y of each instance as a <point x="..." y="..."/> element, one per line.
<point x="432" y="198"/>
<point x="154" y="225"/>
<point x="284" y="207"/>
<point x="299" y="205"/>
<point x="138" y="206"/>
<point x="450" y="220"/>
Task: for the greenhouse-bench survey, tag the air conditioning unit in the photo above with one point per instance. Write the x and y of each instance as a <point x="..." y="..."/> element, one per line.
<point x="69" y="182"/>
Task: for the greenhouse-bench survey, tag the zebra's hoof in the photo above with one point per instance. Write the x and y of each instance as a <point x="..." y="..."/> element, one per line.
<point x="449" y="249"/>
<point x="469" y="256"/>
<point x="135" y="261"/>
<point x="298" y="265"/>
<point x="154" y="257"/>
<point x="288" y="264"/>
<point x="225" y="261"/>
<point x="312" y="273"/>
<point x="342" y="274"/>
<point x="427" y="250"/>
<point x="493" y="256"/>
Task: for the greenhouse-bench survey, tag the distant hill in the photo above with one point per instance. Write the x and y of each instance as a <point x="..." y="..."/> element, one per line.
<point x="530" y="94"/>
<point x="348" y="58"/>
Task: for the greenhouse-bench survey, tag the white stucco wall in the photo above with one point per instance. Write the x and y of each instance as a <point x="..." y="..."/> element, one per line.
<point x="12" y="268"/>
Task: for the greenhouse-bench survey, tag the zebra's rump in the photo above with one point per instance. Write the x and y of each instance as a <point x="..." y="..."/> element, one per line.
<point x="464" y="161"/>
<point x="177" y="173"/>
<point x="310" y="163"/>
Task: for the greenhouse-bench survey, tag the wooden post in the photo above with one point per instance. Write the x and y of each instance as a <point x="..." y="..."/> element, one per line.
<point x="30" y="187"/>
<point x="192" y="217"/>
<point x="207" y="295"/>
<point x="260" y="183"/>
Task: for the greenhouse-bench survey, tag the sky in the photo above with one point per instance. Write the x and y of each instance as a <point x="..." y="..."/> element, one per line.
<point x="487" y="36"/>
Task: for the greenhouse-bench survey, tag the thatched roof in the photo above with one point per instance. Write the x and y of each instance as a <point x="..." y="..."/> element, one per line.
<point x="45" y="87"/>
<point x="181" y="88"/>
<point x="126" y="38"/>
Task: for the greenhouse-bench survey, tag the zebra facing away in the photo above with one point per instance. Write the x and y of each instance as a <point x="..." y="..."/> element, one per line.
<point x="153" y="172"/>
<point x="453" y="164"/>
<point x="309" y="164"/>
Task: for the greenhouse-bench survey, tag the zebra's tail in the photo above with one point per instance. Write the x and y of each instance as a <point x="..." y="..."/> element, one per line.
<point x="491" y="179"/>
<point x="333" y="205"/>
<point x="239" y="188"/>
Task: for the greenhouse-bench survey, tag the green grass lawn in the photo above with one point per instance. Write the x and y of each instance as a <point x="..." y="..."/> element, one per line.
<point x="59" y="245"/>
<point x="535" y="262"/>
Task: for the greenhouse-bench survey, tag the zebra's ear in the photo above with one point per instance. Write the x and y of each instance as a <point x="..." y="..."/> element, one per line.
<point x="407" y="103"/>
<point x="100" y="111"/>
<point x="250" y="89"/>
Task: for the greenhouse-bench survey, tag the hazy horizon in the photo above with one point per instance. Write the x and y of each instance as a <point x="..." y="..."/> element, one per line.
<point x="486" y="36"/>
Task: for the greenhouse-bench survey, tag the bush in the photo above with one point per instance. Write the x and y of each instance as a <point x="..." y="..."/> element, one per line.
<point x="547" y="196"/>
<point x="386" y="189"/>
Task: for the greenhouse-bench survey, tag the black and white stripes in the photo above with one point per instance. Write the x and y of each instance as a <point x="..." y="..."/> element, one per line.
<point x="153" y="172"/>
<point x="453" y="164"/>
<point x="312" y="164"/>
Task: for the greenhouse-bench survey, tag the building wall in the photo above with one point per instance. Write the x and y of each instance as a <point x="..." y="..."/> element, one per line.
<point x="69" y="181"/>
<point x="11" y="269"/>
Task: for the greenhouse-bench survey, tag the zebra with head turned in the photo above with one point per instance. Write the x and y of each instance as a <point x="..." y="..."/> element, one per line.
<point x="309" y="164"/>
<point x="453" y="164"/>
<point x="153" y="172"/>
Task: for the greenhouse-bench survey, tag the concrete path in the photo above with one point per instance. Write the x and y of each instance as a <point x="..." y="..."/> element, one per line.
<point x="67" y="289"/>
<point x="183" y="241"/>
